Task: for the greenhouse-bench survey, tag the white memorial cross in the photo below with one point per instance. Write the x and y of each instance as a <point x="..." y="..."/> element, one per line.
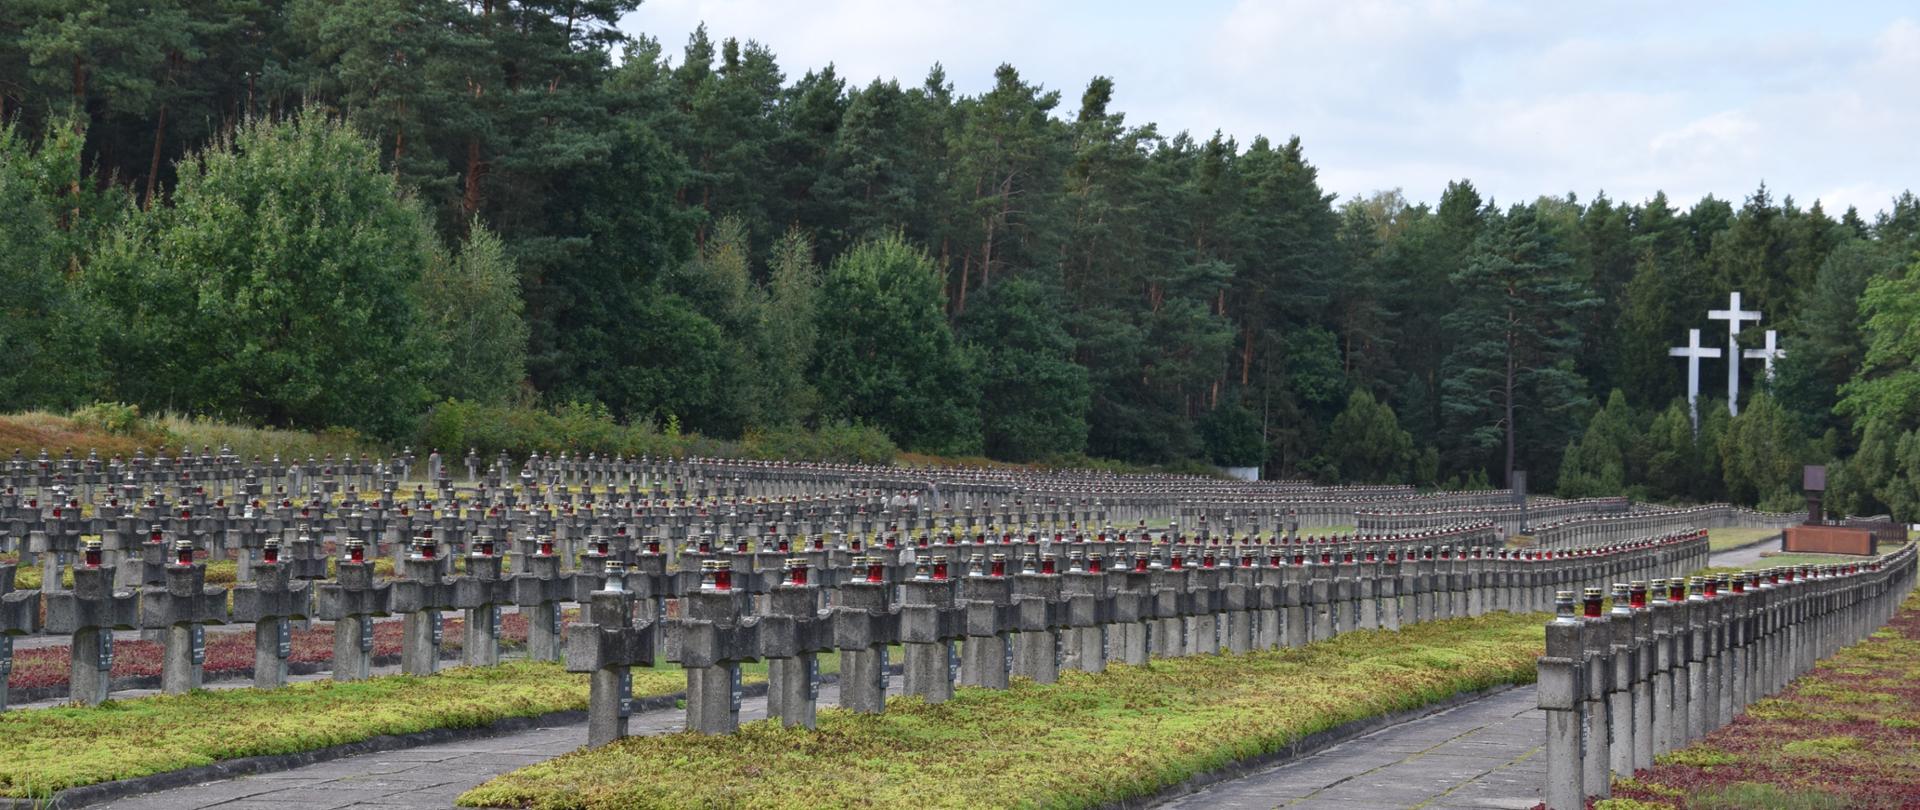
<point x="1733" y="315"/>
<point x="1694" y="352"/>
<point x="1767" y="355"/>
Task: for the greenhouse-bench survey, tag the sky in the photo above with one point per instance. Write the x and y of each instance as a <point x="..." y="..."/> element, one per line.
<point x="1693" y="97"/>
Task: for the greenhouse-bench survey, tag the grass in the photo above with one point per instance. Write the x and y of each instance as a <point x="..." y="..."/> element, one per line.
<point x="117" y="430"/>
<point x="219" y="572"/>
<point x="1780" y="560"/>
<point x="1735" y="537"/>
<point x="48" y="750"/>
<point x="1846" y="735"/>
<point x="55" y="749"/>
<point x="1086" y="741"/>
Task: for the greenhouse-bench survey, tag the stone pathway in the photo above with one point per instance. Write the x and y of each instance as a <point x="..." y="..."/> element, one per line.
<point x="1484" y="754"/>
<point x="1741" y="558"/>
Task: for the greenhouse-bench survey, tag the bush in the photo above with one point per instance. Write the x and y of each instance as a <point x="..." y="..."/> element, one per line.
<point x="840" y="441"/>
<point x="114" y="418"/>
<point x="455" y="426"/>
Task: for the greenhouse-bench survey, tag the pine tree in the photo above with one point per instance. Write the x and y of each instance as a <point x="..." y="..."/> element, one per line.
<point x="1514" y="333"/>
<point x="1366" y="443"/>
<point x="1605" y="460"/>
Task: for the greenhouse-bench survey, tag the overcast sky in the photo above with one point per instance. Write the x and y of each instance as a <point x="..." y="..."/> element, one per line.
<point x="1820" y="100"/>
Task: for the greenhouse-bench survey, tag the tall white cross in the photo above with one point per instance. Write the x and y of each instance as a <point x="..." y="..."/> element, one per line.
<point x="1694" y="353"/>
<point x="1733" y="315"/>
<point x="1766" y="355"/>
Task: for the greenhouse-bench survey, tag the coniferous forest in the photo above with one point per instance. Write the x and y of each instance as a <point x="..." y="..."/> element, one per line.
<point x="359" y="213"/>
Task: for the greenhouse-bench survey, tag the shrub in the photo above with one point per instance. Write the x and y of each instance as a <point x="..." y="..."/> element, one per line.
<point x="840" y="441"/>
<point x="454" y="426"/>
<point x="116" y="418"/>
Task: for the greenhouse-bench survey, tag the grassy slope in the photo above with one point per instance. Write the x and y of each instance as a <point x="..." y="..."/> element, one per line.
<point x="1846" y="735"/>
<point x="32" y="431"/>
<point x="1088" y="740"/>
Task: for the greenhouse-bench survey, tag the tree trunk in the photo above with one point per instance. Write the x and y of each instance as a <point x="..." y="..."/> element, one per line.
<point x="153" y="167"/>
<point x="79" y="86"/>
<point x="1246" y="355"/>
<point x="470" y="200"/>
<point x="400" y="139"/>
<point x="1511" y="431"/>
<point x="966" y="271"/>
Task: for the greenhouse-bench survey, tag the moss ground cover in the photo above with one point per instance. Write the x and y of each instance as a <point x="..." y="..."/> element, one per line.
<point x="54" y="749"/>
<point x="1087" y="740"/>
<point x="1846" y="735"/>
<point x="47" y="750"/>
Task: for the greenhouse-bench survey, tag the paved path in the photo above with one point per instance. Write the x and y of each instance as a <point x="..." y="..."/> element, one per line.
<point x="1484" y="754"/>
<point x="1743" y="557"/>
<point x="430" y="776"/>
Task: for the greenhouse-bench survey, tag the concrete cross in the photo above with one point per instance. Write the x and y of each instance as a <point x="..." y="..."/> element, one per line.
<point x="1733" y="315"/>
<point x="1766" y="355"/>
<point x="1694" y="352"/>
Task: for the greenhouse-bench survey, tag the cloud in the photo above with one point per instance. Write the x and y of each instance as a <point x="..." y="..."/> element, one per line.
<point x="1522" y="98"/>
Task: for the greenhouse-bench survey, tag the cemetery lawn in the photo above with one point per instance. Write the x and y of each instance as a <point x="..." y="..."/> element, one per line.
<point x="1086" y="741"/>
<point x="1846" y="735"/>
<point x="58" y="748"/>
<point x="1734" y="537"/>
<point x="1781" y="560"/>
<point x="53" y="749"/>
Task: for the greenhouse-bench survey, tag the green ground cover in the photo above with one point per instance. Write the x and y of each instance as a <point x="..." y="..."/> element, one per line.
<point x="1780" y="560"/>
<point x="1086" y="741"/>
<point x="47" y="750"/>
<point x="1846" y="735"/>
<point x="1736" y="536"/>
<point x="219" y="572"/>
